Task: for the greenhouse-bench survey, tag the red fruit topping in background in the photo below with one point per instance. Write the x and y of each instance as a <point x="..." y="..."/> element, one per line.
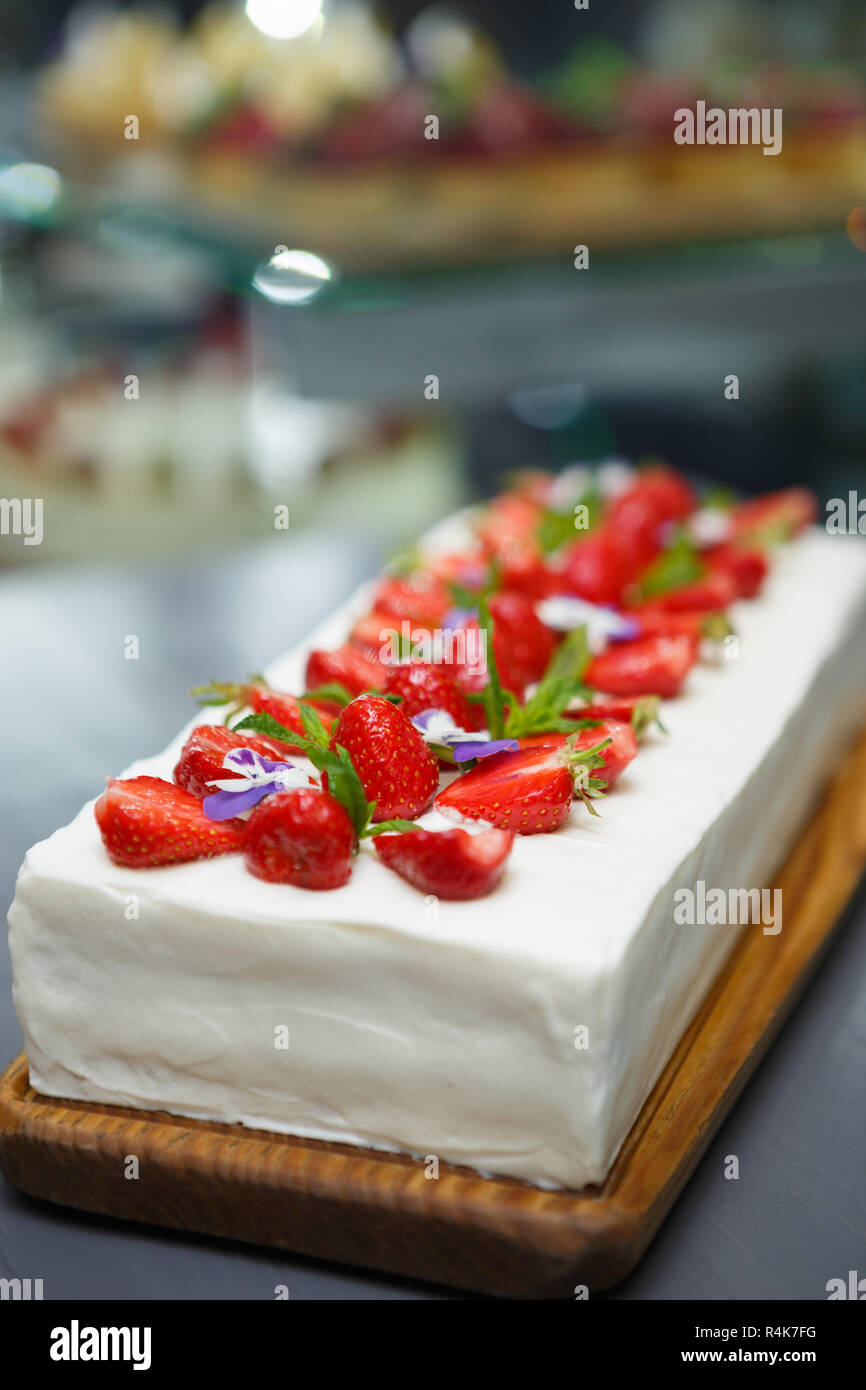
<point x="423" y="686"/>
<point x="348" y="666"/>
<point x="648" y="666"/>
<point x="746" y="567"/>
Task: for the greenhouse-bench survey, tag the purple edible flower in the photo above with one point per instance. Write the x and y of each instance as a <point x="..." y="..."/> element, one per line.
<point x="258" y="777"/>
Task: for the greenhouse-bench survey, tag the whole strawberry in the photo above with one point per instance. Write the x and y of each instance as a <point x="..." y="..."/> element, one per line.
<point x="422" y="686"/>
<point x="302" y="837"/>
<point x="396" y="768"/>
<point x="146" y="822"/>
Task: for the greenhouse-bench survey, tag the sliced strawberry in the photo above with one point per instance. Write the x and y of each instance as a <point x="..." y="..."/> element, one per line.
<point x="422" y="686"/>
<point x="449" y="863"/>
<point x="348" y="666"/>
<point x="373" y="633"/>
<point x="509" y="518"/>
<point x="746" y="566"/>
<point x="303" y="837"/>
<point x="468" y="568"/>
<point x="775" y="516"/>
<point x="638" y="710"/>
<point x="201" y="758"/>
<point x="651" y="621"/>
<point x="420" y="597"/>
<point x="648" y="666"/>
<point x="621" y="750"/>
<point x="712" y="593"/>
<point x="261" y="698"/>
<point x="529" y="791"/>
<point x="145" y="822"/>
<point x="396" y="768"/>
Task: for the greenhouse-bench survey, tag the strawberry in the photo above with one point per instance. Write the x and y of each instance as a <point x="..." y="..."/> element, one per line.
<point x="469" y="569"/>
<point x="450" y="863"/>
<point x="507" y="519"/>
<point x="648" y="666"/>
<point x="651" y="621"/>
<point x="621" y="750"/>
<point x="396" y="768"/>
<point x="638" y="710"/>
<point x="303" y="837"/>
<point x="145" y="821"/>
<point x="529" y="791"/>
<point x="596" y="568"/>
<point x="348" y="666"/>
<point x="422" y="686"/>
<point x="775" y="516"/>
<point x="420" y="597"/>
<point x="659" y="490"/>
<point x="201" y="758"/>
<point x="367" y="633"/>
<point x="522" y="645"/>
<point x="263" y="700"/>
<point x="746" y="566"/>
<point x="712" y="593"/>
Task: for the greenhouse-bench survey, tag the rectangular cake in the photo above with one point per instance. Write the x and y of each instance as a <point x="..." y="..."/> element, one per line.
<point x="519" y="1033"/>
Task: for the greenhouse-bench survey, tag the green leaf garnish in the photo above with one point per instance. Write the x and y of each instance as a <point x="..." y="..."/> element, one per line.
<point x="344" y="784"/>
<point x="678" y="565"/>
<point x="556" y="529"/>
<point x="495" y="697"/>
<point x="561" y="683"/>
<point x="336" y="693"/>
<point x="313" y="726"/>
<point x="385" y="825"/>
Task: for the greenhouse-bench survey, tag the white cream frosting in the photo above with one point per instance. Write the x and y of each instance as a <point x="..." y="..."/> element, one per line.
<point x="449" y="1028"/>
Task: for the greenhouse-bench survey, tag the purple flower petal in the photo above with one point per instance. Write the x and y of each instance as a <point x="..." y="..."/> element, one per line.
<point x="226" y="805"/>
<point x="464" y="750"/>
<point x="627" y="633"/>
<point x="458" y="617"/>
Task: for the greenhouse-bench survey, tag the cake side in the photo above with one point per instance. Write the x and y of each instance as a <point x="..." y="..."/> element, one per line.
<point x="452" y="1034"/>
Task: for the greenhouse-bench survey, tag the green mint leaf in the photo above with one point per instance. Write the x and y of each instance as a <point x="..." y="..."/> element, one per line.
<point x="558" y="687"/>
<point x="313" y="726"/>
<point x="679" y="564"/>
<point x="385" y="825"/>
<point x="556" y="529"/>
<point x="335" y="692"/>
<point x="495" y="701"/>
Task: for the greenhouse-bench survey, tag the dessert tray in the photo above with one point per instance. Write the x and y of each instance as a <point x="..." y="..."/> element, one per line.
<point x="487" y="1235"/>
<point x="365" y="975"/>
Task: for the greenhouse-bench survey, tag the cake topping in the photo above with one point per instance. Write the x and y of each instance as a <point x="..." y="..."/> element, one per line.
<point x="255" y="778"/>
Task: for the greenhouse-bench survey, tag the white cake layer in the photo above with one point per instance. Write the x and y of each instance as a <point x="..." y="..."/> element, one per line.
<point x="453" y="1033"/>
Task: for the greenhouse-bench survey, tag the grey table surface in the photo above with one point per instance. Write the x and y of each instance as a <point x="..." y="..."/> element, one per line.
<point x="73" y="710"/>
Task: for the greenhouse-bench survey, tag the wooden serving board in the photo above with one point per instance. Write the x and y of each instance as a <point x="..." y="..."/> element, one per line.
<point x="496" y="1236"/>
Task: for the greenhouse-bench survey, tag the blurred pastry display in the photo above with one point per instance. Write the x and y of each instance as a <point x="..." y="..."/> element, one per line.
<point x="311" y="123"/>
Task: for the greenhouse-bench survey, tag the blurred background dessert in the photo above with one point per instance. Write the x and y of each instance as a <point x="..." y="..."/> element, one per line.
<point x="324" y="256"/>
